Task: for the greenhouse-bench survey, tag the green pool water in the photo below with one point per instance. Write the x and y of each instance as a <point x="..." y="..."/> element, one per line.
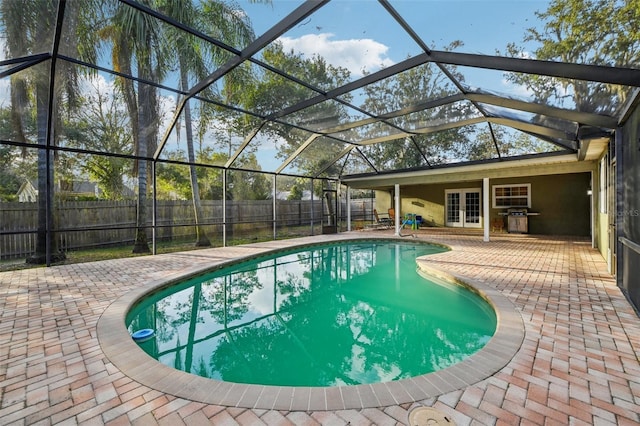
<point x="340" y="314"/>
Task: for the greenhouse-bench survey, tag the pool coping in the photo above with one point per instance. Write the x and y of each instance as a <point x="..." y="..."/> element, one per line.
<point x="132" y="361"/>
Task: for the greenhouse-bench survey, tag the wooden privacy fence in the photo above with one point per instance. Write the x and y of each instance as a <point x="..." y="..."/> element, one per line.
<point x="92" y="224"/>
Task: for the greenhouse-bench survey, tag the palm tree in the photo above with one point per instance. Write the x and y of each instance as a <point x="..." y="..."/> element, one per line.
<point x="219" y="20"/>
<point x="30" y="27"/>
<point x="138" y="37"/>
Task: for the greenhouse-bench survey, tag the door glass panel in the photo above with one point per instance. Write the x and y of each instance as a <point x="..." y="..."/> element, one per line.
<point x="472" y="200"/>
<point x="453" y="207"/>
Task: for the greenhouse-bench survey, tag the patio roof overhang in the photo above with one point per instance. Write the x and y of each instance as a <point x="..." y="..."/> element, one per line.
<point x="537" y="165"/>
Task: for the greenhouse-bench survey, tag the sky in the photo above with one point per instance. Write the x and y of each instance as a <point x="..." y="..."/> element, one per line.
<point x="361" y="35"/>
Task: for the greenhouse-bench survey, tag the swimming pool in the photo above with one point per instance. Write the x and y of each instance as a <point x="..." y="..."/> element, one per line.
<point x="129" y="359"/>
<point x="347" y="313"/>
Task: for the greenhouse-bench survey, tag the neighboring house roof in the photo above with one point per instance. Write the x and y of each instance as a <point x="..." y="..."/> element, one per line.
<point x="28" y="191"/>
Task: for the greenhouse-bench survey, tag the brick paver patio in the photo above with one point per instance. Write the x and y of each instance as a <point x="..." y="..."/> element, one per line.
<point x="578" y="363"/>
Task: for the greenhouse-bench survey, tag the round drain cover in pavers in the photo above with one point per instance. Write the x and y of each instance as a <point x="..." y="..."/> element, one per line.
<point x="428" y="416"/>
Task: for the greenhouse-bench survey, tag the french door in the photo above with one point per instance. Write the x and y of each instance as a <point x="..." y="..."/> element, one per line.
<point x="463" y="208"/>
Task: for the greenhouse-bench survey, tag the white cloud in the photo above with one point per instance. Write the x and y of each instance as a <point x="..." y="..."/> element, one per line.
<point x="519" y="90"/>
<point x="354" y="54"/>
<point x="96" y="83"/>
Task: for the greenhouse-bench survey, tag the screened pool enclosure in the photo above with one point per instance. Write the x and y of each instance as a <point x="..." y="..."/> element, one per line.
<point x="155" y="125"/>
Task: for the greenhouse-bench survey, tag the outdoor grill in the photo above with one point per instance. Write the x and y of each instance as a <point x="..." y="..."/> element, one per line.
<point x="517" y="221"/>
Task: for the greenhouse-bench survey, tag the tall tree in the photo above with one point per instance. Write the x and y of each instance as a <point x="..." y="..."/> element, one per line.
<point x="195" y="57"/>
<point x="412" y="87"/>
<point x="101" y="125"/>
<point x="598" y="32"/>
<point x="9" y="180"/>
<point x="30" y="26"/>
<point x="138" y="39"/>
<point x="271" y="92"/>
<point x="248" y="185"/>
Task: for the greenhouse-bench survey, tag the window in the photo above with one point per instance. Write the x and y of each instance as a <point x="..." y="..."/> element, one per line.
<point x="512" y="195"/>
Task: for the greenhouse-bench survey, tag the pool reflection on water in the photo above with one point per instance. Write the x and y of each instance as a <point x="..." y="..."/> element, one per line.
<point x="340" y="314"/>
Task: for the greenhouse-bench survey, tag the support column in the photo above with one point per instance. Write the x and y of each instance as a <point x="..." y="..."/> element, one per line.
<point x="348" y="197"/>
<point x="594" y="209"/>
<point x="396" y="206"/>
<point x="224" y="207"/>
<point x="312" y="208"/>
<point x="154" y="210"/>
<point x="485" y="208"/>
<point x="275" y="207"/>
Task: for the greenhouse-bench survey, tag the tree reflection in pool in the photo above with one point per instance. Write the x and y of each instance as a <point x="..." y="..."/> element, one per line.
<point x="341" y="314"/>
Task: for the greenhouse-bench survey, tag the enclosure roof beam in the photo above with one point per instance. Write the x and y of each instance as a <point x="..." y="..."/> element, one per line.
<point x="421" y="106"/>
<point x="365" y="158"/>
<point x="596" y="73"/>
<point x="302" y="12"/>
<point x="386" y="138"/>
<point x="591" y="119"/>
<point x="495" y="140"/>
<point x="22" y="63"/>
<point x="552" y="135"/>
<point x="342" y="153"/>
<point x="296" y="153"/>
<point x="348" y="126"/>
<point x="450" y="125"/>
<point x="244" y="144"/>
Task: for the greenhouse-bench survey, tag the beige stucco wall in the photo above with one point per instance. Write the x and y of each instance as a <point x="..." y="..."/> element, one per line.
<point x="602" y="234"/>
<point x="383" y="201"/>
<point x="561" y="200"/>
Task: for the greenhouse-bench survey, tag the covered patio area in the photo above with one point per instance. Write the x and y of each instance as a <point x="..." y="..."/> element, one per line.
<point x="578" y="362"/>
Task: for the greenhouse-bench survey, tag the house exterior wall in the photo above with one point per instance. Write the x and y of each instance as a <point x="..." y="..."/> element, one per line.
<point x="432" y="197"/>
<point x="601" y="240"/>
<point x="383" y="201"/>
<point x="602" y="235"/>
<point x="604" y="208"/>
<point x="561" y="200"/>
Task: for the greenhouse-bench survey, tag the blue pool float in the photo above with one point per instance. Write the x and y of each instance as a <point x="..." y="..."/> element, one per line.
<point x="143" y="335"/>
